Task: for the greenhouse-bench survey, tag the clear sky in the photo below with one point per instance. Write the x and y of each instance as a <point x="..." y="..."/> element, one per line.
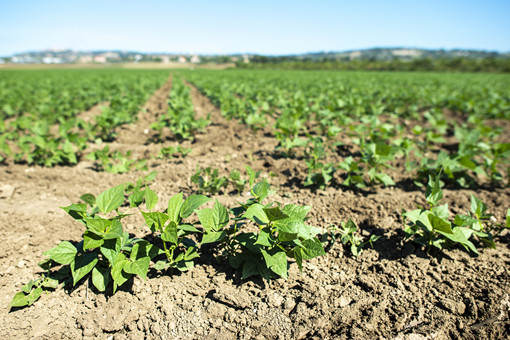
<point x="264" y="27"/>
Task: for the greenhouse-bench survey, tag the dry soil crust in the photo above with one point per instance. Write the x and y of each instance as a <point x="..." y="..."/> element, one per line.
<point x="392" y="291"/>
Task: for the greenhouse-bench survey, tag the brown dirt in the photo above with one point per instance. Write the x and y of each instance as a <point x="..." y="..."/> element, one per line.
<point x="395" y="290"/>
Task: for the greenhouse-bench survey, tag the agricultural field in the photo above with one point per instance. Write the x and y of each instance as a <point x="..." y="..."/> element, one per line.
<point x="240" y="204"/>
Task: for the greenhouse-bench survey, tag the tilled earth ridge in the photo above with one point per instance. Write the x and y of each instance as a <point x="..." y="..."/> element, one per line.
<point x="395" y="290"/>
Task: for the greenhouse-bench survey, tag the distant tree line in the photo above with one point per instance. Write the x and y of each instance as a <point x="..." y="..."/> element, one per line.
<point x="495" y="65"/>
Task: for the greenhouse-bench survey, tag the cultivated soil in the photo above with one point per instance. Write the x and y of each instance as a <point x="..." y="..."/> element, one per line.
<point x="392" y="291"/>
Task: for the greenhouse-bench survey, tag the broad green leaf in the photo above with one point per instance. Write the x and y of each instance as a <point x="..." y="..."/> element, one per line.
<point x="19" y="300"/>
<point x="250" y="268"/>
<point x="192" y="203"/>
<point x="111" y="199"/>
<point x="50" y="283"/>
<point x="151" y="199"/>
<point x="100" y="278"/>
<point x="91" y="240"/>
<point x="462" y="235"/>
<point x="34" y="295"/>
<point x="187" y="227"/>
<point x="384" y="179"/>
<point x="174" y="207"/>
<point x="441" y="211"/>
<point x="256" y="213"/>
<point x="89" y="199"/>
<point x="82" y="265"/>
<point x="274" y="214"/>
<point x="296" y="211"/>
<point x="118" y="275"/>
<point x="213" y="219"/>
<point x="138" y="267"/>
<point x="214" y="236"/>
<point x="77" y="211"/>
<point x="154" y="220"/>
<point x="114" y="230"/>
<point x="260" y="190"/>
<point x="64" y="253"/>
<point x="265" y="238"/>
<point x="170" y="233"/>
<point x="312" y="248"/>
<point x="191" y="253"/>
<point x="97" y="225"/>
<point x="439" y="224"/>
<point x="276" y="260"/>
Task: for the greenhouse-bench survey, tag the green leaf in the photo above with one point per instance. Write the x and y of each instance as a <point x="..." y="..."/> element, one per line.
<point x="119" y="276"/>
<point x="214" y="236"/>
<point x="384" y="178"/>
<point x="100" y="278"/>
<point x="89" y="199"/>
<point x="82" y="265"/>
<point x="34" y="296"/>
<point x="251" y="175"/>
<point x="256" y="213"/>
<point x="296" y="211"/>
<point x="276" y="260"/>
<point x="155" y="219"/>
<point x="50" y="283"/>
<point x="439" y="224"/>
<point x="260" y="190"/>
<point x="91" y="240"/>
<point x="64" y="253"/>
<point x="265" y="238"/>
<point x="19" y="300"/>
<point x="478" y="208"/>
<point x="111" y="199"/>
<point x="174" y="207"/>
<point x="151" y="199"/>
<point x="297" y="252"/>
<point x="192" y="203"/>
<point x="138" y="267"/>
<point x="250" y="268"/>
<point x="312" y="248"/>
<point x="170" y="234"/>
<point x="77" y="211"/>
<point x="433" y="191"/>
<point x="213" y="219"/>
<point x="275" y="214"/>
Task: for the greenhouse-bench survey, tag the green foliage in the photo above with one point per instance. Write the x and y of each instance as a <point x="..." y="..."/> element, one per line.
<point x="349" y="234"/>
<point x="208" y="180"/>
<point x="432" y="227"/>
<point x="171" y="151"/>
<point x="180" y="118"/>
<point x="115" y="161"/>
<point x="282" y="233"/>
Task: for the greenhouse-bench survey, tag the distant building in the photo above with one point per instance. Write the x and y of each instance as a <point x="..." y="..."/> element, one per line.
<point x="194" y="59"/>
<point x="182" y="59"/>
<point x="101" y="59"/>
<point x="85" y="59"/>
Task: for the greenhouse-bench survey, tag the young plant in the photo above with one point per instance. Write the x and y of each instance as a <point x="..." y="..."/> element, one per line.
<point x="115" y="162"/>
<point x="319" y="173"/>
<point x="208" y="180"/>
<point x="179" y="249"/>
<point x="431" y="228"/>
<point x="171" y="151"/>
<point x="106" y="254"/>
<point x="282" y="233"/>
<point x="350" y="235"/>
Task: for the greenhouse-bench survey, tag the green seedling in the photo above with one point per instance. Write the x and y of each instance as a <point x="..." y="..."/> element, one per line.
<point x="208" y="180"/>
<point x="282" y="233"/>
<point x="350" y="235"/>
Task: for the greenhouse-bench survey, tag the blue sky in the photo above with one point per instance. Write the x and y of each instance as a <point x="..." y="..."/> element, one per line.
<point x="265" y="27"/>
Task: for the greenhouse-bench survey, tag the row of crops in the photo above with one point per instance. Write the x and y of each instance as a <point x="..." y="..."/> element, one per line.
<point x="40" y="120"/>
<point x="363" y="125"/>
<point x="353" y="130"/>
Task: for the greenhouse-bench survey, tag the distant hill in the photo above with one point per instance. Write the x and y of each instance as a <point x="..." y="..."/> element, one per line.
<point x="55" y="56"/>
